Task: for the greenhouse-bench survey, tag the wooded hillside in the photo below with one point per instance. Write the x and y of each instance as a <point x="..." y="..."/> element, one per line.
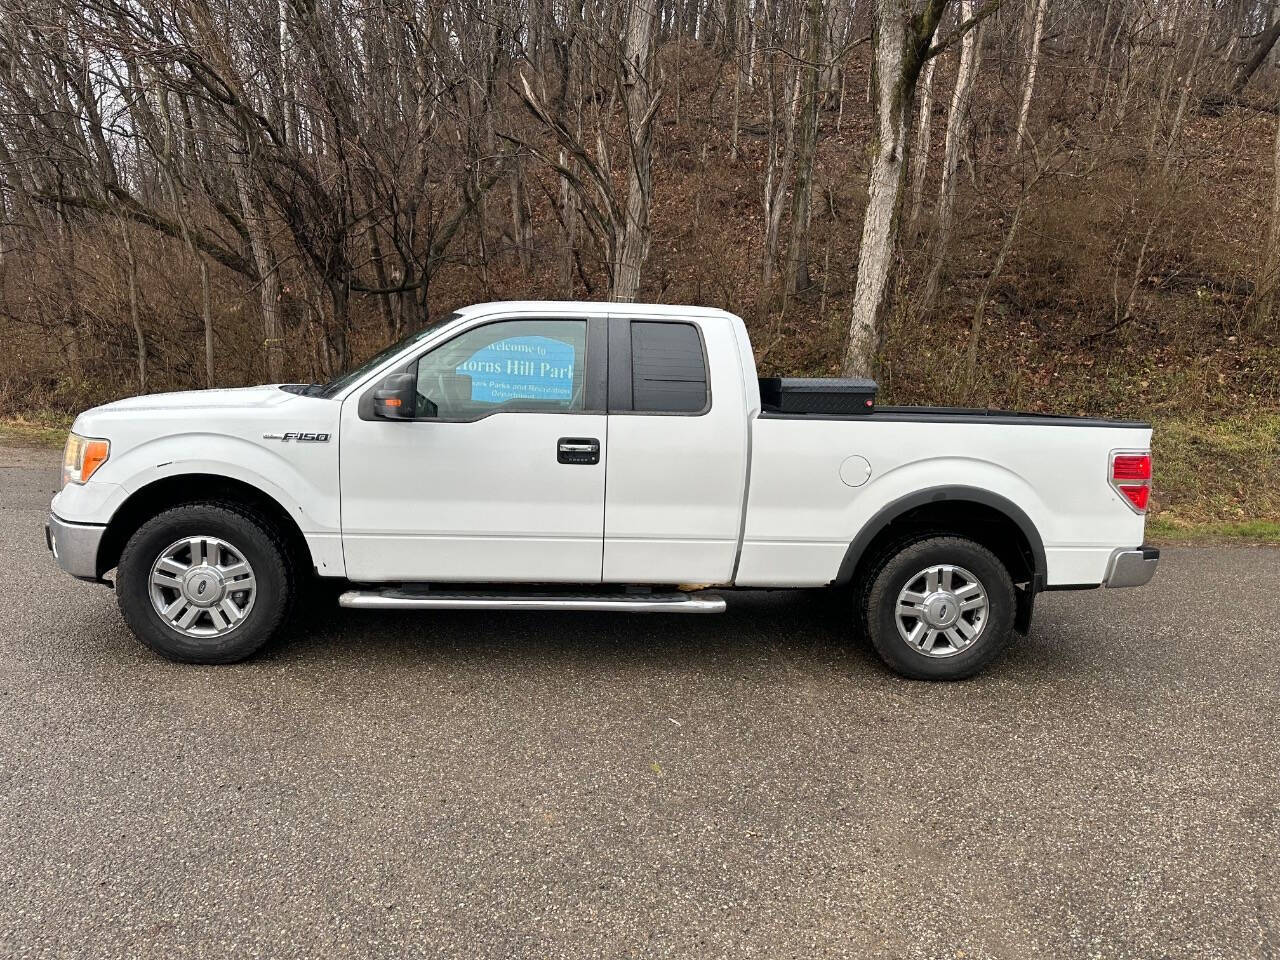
<point x="1065" y="205"/>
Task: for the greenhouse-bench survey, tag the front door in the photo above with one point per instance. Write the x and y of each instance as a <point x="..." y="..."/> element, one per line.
<point x="500" y="475"/>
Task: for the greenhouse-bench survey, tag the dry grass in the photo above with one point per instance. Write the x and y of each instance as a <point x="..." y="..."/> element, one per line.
<point x="50" y="431"/>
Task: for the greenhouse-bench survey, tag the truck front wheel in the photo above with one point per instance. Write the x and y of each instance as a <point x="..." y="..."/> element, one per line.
<point x="205" y="582"/>
<point x="940" y="608"/>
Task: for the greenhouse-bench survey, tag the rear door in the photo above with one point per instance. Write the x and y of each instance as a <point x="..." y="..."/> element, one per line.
<point x="676" y="473"/>
<point x="500" y="476"/>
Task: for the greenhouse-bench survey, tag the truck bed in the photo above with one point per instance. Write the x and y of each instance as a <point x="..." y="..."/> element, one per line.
<point x="842" y="398"/>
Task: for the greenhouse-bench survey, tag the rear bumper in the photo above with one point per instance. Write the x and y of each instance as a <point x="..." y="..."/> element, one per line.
<point x="74" y="546"/>
<point x="1132" y="568"/>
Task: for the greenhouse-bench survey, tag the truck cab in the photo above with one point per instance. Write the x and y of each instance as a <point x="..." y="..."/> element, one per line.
<point x="494" y="463"/>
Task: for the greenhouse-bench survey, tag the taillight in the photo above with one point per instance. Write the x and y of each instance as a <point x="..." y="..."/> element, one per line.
<point x="1138" y="496"/>
<point x="1130" y="466"/>
<point x="1131" y="478"/>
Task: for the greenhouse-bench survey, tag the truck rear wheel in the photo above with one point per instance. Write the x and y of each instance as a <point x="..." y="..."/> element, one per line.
<point x="940" y="608"/>
<point x="205" y="583"/>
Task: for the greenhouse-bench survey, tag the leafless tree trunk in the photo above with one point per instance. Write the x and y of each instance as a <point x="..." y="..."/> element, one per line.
<point x="268" y="277"/>
<point x="741" y="62"/>
<point x="621" y="224"/>
<point x="131" y="283"/>
<point x="569" y="233"/>
<point x="70" y="308"/>
<point x="979" y="312"/>
<point x="641" y="98"/>
<point x="896" y="68"/>
<point x="924" y="139"/>
<point x="780" y="162"/>
<point x="521" y="221"/>
<point x="1262" y="46"/>
<point x="797" y="273"/>
<point x="1183" y="99"/>
<point x="206" y="315"/>
<point x="957" y="133"/>
<point x="903" y="42"/>
<point x="1029" y="84"/>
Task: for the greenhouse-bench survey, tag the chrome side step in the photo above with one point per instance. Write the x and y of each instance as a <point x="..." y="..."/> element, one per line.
<point x="398" y="598"/>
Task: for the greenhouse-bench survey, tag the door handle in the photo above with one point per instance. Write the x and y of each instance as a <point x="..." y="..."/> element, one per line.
<point x="584" y="450"/>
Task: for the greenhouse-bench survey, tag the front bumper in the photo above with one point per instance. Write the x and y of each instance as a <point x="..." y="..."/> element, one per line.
<point x="1132" y="568"/>
<point x="74" y="546"/>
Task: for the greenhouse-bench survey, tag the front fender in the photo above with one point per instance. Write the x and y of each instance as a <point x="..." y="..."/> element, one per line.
<point x="302" y="478"/>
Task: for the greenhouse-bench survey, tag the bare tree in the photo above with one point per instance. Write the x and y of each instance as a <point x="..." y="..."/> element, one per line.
<point x="620" y="221"/>
<point x="958" y="122"/>
<point x="924" y="135"/>
<point x="782" y="95"/>
<point x="797" y="274"/>
<point x="1029" y="84"/>
<point x="903" y="43"/>
<point x="264" y="257"/>
<point x="135" y="316"/>
<point x="640" y="96"/>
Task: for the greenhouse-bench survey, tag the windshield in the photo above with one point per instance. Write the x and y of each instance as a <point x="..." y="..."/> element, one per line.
<point x="336" y="386"/>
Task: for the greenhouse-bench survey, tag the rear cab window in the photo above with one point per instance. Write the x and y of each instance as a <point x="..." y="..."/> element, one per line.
<point x="668" y="368"/>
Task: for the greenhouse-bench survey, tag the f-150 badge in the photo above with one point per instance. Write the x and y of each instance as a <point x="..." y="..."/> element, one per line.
<point x="299" y="437"/>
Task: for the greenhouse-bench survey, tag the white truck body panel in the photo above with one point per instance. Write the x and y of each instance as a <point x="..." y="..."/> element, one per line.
<point x="484" y="500"/>
<point x="730" y="495"/>
<point x="673" y="513"/>
<point x="801" y="516"/>
<point x="218" y="433"/>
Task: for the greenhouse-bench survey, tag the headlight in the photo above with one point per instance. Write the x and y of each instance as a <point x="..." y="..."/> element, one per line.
<point x="82" y="457"/>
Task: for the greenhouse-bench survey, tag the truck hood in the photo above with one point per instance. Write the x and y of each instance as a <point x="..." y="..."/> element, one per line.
<point x="242" y="398"/>
<point x="195" y="418"/>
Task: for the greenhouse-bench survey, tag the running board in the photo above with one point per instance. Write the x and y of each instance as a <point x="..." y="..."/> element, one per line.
<point x="401" y="599"/>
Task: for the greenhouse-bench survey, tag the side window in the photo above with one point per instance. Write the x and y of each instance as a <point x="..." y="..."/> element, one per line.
<point x="668" y="372"/>
<point x="513" y="365"/>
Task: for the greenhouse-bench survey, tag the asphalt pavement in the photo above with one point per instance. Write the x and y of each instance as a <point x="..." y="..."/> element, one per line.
<point x="582" y="785"/>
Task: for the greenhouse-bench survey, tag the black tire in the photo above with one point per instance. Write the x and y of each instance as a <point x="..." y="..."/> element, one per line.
<point x="902" y="564"/>
<point x="252" y="535"/>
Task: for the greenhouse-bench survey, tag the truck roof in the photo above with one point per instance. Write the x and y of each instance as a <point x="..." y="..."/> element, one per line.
<point x="589" y="307"/>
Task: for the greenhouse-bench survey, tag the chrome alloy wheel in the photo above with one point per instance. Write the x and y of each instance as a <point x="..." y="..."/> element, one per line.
<point x="941" y="611"/>
<point x="202" y="586"/>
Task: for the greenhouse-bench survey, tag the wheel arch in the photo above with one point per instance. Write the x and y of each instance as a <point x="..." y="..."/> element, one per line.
<point x="171" y="491"/>
<point x="987" y="518"/>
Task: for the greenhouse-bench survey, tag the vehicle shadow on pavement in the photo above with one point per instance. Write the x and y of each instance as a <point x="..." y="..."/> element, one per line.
<point x="799" y="625"/>
<point x="767" y="630"/>
<point x="770" y="632"/>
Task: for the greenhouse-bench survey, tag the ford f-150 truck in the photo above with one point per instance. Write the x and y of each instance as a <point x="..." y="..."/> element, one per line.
<point x="593" y="456"/>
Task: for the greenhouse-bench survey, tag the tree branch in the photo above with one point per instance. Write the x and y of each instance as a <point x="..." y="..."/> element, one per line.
<point x="955" y="35"/>
<point x="129" y="208"/>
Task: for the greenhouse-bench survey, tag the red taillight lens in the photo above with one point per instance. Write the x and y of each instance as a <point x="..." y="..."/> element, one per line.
<point x="1131" y="478"/>
<point x="1138" y="496"/>
<point x="1131" y="467"/>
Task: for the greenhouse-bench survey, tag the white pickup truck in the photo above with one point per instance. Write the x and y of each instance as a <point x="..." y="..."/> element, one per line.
<point x="592" y="456"/>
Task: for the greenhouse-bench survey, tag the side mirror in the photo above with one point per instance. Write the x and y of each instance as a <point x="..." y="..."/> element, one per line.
<point x="395" y="397"/>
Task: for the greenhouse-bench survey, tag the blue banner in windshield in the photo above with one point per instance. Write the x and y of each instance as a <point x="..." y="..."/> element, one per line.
<point x="527" y="368"/>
